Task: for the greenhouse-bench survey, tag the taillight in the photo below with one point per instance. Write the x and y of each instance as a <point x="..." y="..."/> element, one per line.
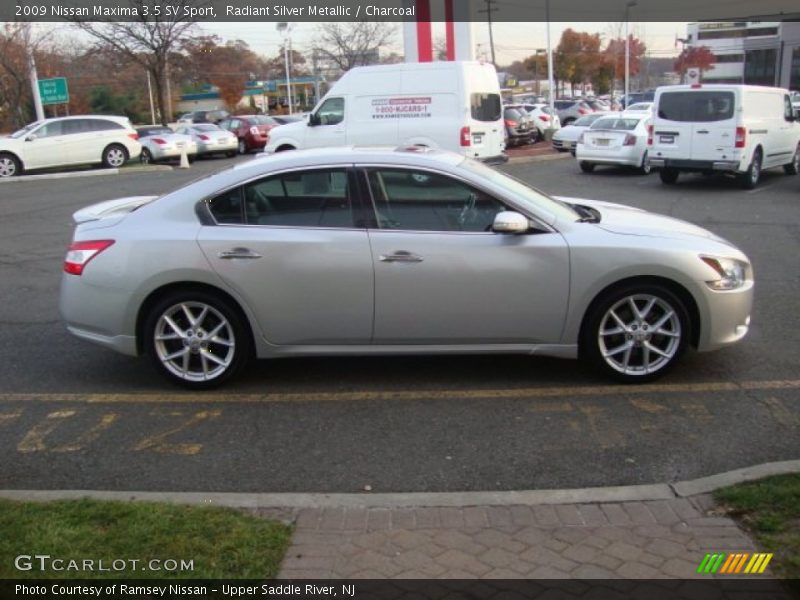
<point x="203" y="137"/>
<point x="649" y="135"/>
<point x="630" y="140"/>
<point x="465" y="137"/>
<point x="255" y="131"/>
<point x="583" y="111"/>
<point x="696" y="86"/>
<point x="160" y="141"/>
<point x="133" y="136"/>
<point x="510" y="123"/>
<point x="741" y="137"/>
<point x="80" y="253"/>
<point x="544" y="118"/>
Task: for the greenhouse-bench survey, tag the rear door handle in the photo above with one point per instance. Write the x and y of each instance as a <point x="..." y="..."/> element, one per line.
<point x="703" y="131"/>
<point x="401" y="256"/>
<point x="238" y="253"/>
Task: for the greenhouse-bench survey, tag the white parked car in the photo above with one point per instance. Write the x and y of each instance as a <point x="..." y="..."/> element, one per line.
<point x="615" y="140"/>
<point x="566" y="138"/>
<point x="68" y="141"/>
<point x="161" y="143"/>
<point x="542" y="118"/>
<point x="735" y="129"/>
<point x="640" y="108"/>
<point x="210" y="138"/>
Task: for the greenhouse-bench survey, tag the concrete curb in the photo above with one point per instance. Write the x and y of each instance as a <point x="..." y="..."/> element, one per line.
<point x="516" y="160"/>
<point x="88" y="173"/>
<point x="633" y="493"/>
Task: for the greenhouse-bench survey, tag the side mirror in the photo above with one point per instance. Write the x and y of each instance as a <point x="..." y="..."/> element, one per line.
<point x="510" y="222"/>
<point x="31" y="137"/>
<point x="313" y="120"/>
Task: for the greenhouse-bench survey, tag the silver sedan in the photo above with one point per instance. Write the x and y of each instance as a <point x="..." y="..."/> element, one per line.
<point x="348" y="251"/>
<point x="210" y="138"/>
<point x="161" y="143"/>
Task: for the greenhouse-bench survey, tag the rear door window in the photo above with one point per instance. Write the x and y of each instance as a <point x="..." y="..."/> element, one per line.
<point x="486" y="107"/>
<point x="698" y="107"/>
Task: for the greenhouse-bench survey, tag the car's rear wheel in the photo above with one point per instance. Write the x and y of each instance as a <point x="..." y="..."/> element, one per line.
<point x="114" y="156"/>
<point x="9" y="165"/>
<point x="585" y="166"/>
<point x="636" y="333"/>
<point x="242" y="147"/>
<point x="644" y="168"/>
<point x="668" y="176"/>
<point x="793" y="168"/>
<point x="146" y="157"/>
<point x="750" y="178"/>
<point x="196" y="339"/>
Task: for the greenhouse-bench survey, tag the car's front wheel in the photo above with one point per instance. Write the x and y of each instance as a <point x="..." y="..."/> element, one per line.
<point x="635" y="333"/>
<point x="197" y="339"/>
<point x="585" y="166"/>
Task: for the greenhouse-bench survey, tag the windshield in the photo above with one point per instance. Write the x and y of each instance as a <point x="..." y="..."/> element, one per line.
<point x="529" y="197"/>
<point x="614" y="123"/>
<point x="26" y="130"/>
<point x="205" y="127"/>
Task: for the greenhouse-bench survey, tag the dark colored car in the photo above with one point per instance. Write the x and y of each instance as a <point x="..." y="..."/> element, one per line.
<point x="251" y="130"/>
<point x="519" y="126"/>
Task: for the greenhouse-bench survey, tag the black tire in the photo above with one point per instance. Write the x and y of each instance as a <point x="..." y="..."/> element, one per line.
<point x="242" y="147"/>
<point x="633" y="343"/>
<point x="750" y="178"/>
<point x="237" y="356"/>
<point x="644" y="168"/>
<point x="586" y="167"/>
<point x="114" y="156"/>
<point x="793" y="168"/>
<point x="146" y="157"/>
<point x="10" y="165"/>
<point x="669" y="176"/>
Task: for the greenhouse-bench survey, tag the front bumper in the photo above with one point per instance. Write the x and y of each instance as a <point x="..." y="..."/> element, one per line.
<point x="727" y="319"/>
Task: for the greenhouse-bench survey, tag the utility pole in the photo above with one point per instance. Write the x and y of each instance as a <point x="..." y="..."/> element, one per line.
<point x="37" y="98"/>
<point x="489" y="10"/>
<point x="150" y="94"/>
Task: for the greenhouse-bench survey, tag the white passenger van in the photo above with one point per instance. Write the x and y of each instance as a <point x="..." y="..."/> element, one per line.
<point x="450" y="105"/>
<point x="737" y="129"/>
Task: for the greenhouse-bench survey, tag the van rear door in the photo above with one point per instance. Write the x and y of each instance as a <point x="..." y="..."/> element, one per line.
<point x="484" y="134"/>
<point x="695" y="124"/>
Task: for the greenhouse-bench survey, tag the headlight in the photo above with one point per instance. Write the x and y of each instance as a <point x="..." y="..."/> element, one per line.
<point x="732" y="272"/>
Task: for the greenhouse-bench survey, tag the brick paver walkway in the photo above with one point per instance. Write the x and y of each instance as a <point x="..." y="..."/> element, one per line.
<point x="631" y="540"/>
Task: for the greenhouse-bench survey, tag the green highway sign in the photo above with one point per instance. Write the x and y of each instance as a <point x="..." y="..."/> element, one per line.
<point x="54" y="91"/>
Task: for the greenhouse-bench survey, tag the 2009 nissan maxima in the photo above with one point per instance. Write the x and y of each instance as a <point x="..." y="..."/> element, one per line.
<point x="391" y="251"/>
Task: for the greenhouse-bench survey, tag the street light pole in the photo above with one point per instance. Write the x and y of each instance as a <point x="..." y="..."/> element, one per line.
<point x="551" y="91"/>
<point x="286" y="29"/>
<point x="628" y="6"/>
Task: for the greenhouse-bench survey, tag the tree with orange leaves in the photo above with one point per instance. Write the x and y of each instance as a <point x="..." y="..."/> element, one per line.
<point x="695" y="57"/>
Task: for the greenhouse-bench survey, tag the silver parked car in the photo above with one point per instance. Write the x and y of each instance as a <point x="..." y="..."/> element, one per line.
<point x="210" y="138"/>
<point x="353" y="251"/>
<point x="162" y="143"/>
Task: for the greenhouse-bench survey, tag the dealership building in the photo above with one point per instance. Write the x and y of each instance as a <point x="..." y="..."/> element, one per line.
<point x="752" y="52"/>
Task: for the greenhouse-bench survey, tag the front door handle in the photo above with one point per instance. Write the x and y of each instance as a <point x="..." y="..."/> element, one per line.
<point x="238" y="253"/>
<point x="703" y="131"/>
<point x="401" y="256"/>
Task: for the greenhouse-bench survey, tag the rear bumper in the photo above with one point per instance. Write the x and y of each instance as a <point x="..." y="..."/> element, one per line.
<point x="695" y="165"/>
<point x="495" y="160"/>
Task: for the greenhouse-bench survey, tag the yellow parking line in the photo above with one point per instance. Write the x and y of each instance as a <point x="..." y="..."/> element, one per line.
<point x="392" y="395"/>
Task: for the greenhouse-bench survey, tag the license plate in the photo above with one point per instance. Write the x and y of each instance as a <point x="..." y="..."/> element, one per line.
<point x="477" y="138"/>
<point x="602" y="142"/>
<point x="666" y="139"/>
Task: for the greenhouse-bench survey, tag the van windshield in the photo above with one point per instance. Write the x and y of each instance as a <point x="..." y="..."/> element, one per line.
<point x="486" y="107"/>
<point x="696" y="106"/>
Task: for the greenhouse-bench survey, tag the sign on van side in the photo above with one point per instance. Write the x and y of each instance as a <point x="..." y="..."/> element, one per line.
<point x="401" y="108"/>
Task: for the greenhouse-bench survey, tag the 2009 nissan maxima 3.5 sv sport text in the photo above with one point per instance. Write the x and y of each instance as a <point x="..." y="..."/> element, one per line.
<point x="392" y="251"/>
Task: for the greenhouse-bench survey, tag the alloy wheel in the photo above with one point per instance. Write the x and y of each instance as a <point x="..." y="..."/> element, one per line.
<point x="194" y="341"/>
<point x="8" y="167"/>
<point x="639" y="335"/>
<point x="115" y="157"/>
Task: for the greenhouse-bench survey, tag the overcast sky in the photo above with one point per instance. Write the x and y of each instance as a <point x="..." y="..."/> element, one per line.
<point x="513" y="41"/>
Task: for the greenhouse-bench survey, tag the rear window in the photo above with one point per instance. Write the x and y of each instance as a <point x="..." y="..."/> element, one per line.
<point x="614" y="123"/>
<point x="513" y="113"/>
<point x="486" y="107"/>
<point x="703" y="107"/>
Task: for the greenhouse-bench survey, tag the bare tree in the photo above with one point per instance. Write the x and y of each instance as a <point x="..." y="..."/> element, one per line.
<point x="348" y="45"/>
<point x="18" y="43"/>
<point x="149" y="40"/>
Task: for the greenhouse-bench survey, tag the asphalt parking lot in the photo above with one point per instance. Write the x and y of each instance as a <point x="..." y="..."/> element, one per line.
<point x="77" y="416"/>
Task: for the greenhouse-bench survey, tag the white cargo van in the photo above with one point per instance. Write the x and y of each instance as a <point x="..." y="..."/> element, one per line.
<point x="450" y="105"/>
<point x="738" y="129"/>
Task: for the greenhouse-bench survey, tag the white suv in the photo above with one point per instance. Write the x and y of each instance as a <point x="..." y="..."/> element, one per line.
<point x="65" y="141"/>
